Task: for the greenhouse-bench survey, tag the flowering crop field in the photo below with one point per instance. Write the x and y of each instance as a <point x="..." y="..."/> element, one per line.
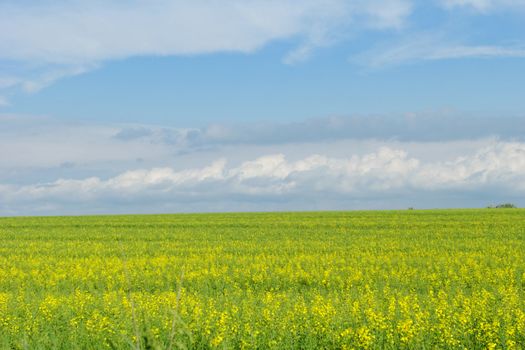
<point x="452" y="279"/>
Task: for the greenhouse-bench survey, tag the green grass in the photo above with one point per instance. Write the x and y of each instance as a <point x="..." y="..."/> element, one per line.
<point x="371" y="279"/>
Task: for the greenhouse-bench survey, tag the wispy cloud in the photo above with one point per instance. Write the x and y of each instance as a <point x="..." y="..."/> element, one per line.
<point x="49" y="75"/>
<point x="45" y="41"/>
<point x="41" y="42"/>
<point x="65" y="32"/>
<point x="419" y="127"/>
<point x="485" y="6"/>
<point x="432" y="47"/>
<point x="4" y="102"/>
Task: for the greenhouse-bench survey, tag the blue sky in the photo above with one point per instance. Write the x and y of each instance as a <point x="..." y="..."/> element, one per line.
<point x="165" y="106"/>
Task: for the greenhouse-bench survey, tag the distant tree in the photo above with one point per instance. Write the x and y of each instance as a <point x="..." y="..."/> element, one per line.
<point x="502" y="206"/>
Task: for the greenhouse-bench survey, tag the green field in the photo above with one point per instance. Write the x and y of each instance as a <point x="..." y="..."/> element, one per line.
<point x="393" y="279"/>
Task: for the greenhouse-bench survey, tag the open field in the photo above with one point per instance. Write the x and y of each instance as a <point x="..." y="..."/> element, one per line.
<point x="393" y="279"/>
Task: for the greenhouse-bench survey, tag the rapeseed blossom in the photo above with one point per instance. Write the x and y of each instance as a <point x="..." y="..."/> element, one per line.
<point x="341" y="280"/>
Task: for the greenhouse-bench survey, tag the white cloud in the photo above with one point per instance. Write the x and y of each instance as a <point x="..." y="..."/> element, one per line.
<point x="45" y="41"/>
<point x="65" y="32"/>
<point x="7" y="82"/>
<point x="379" y="15"/>
<point x="38" y="143"/>
<point x="376" y="160"/>
<point x="432" y="47"/>
<point x="462" y="51"/>
<point x="389" y="14"/>
<point x="498" y="168"/>
<point x="485" y="5"/>
<point x="4" y="102"/>
<point x="501" y="164"/>
<point x="47" y="77"/>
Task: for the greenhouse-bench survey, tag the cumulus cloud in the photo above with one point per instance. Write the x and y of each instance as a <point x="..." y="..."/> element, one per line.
<point x="50" y="166"/>
<point x="498" y="168"/>
<point x="501" y="165"/>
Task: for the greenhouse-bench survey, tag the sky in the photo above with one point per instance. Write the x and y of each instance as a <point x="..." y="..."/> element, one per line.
<point x="201" y="106"/>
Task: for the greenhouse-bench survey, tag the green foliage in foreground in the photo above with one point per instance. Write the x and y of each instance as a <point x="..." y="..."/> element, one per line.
<point x="399" y="279"/>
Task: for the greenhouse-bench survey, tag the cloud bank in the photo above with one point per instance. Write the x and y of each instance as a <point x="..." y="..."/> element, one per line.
<point x="34" y="144"/>
<point x="493" y="171"/>
<point x="419" y="127"/>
